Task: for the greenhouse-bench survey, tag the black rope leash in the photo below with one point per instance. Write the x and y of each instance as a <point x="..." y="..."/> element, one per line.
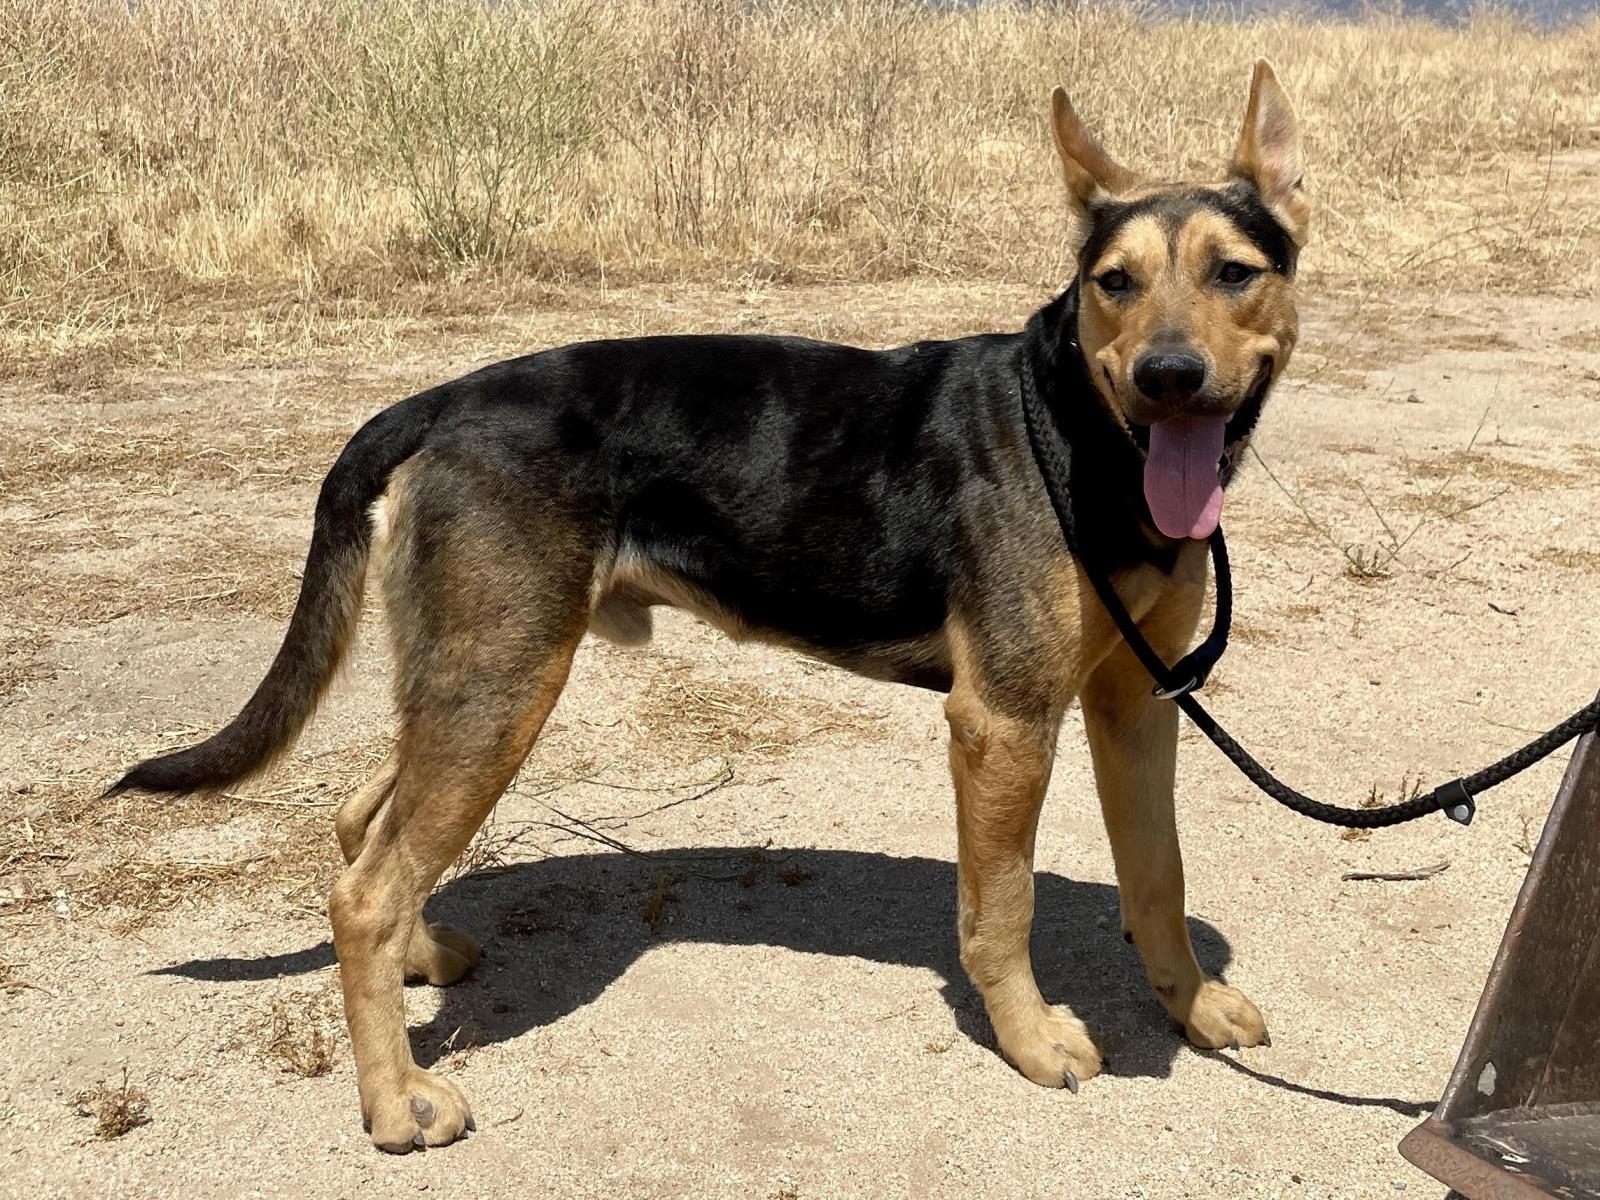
<point x="1179" y="682"/>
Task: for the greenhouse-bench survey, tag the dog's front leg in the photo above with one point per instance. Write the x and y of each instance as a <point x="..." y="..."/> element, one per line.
<point x="1001" y="763"/>
<point x="1134" y="740"/>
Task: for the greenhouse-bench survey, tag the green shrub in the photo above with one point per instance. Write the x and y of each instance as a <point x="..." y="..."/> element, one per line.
<point x="478" y="110"/>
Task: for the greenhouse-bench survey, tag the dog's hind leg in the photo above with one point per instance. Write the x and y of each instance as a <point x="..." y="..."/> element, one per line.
<point x="356" y="813"/>
<point x="486" y="588"/>
<point x="452" y="772"/>
<point x="1134" y="741"/>
<point x="1001" y="759"/>
<point x="439" y="954"/>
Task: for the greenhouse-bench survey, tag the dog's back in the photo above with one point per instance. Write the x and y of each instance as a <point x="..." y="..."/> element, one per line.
<point x="796" y="490"/>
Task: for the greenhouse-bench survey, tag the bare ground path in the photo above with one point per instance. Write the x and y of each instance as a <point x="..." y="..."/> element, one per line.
<point x="705" y="1018"/>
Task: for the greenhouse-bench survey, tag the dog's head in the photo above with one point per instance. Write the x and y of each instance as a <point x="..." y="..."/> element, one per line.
<point x="1186" y="311"/>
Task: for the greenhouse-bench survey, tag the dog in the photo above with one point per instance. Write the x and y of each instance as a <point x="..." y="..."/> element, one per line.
<point x="876" y="509"/>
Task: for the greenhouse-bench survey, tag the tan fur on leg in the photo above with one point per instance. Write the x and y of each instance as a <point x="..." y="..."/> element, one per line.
<point x="486" y="607"/>
<point x="1134" y="741"/>
<point x="1001" y="765"/>
<point x="356" y="813"/>
<point x="426" y="824"/>
<point x="439" y="954"/>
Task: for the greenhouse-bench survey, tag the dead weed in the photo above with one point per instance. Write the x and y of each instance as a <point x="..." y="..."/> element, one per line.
<point x="1409" y="789"/>
<point x="302" y="1031"/>
<point x="1585" y="561"/>
<point x="116" y="1109"/>
<point x="655" y="903"/>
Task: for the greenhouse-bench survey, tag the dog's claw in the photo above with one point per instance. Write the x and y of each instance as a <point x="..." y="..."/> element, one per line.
<point x="1127" y="936"/>
<point x="1266" y="1040"/>
<point x="420" y="1142"/>
<point x="1234" y="1044"/>
<point x="472" y="1126"/>
<point x="1072" y="1083"/>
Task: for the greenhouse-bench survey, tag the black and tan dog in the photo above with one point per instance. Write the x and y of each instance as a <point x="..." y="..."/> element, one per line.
<point x="876" y="509"/>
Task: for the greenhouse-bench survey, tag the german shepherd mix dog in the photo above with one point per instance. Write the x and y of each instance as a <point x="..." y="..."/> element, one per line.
<point x="880" y="510"/>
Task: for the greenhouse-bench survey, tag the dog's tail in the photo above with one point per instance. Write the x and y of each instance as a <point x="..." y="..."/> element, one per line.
<point x="324" y="620"/>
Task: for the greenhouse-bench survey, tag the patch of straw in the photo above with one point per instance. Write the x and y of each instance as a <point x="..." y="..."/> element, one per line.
<point x="116" y="1110"/>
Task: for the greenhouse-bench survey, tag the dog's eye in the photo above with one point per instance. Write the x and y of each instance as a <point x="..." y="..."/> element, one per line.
<point x="1115" y="282"/>
<point x="1236" y="274"/>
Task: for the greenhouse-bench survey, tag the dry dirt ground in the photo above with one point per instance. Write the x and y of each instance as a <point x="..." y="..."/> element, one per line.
<point x="717" y="907"/>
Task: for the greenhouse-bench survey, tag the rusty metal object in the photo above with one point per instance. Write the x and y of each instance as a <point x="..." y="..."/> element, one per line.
<point x="1520" y="1117"/>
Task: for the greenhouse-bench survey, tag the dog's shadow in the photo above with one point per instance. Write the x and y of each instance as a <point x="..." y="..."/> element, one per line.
<point x="557" y="932"/>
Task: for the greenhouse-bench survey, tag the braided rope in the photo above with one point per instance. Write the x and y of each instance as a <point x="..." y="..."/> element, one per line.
<point x="1456" y="798"/>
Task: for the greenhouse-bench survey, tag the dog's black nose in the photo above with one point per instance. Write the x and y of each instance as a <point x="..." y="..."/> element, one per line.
<point x="1169" y="376"/>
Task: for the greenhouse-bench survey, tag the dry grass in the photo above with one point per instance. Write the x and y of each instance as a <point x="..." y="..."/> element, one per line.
<point x="116" y="1109"/>
<point x="95" y="507"/>
<point x="1437" y="498"/>
<point x="1528" y="840"/>
<point x="1482" y="467"/>
<point x="1586" y="341"/>
<point x="1409" y="789"/>
<point x="654" y="910"/>
<point x="131" y="895"/>
<point x="1570" y="558"/>
<point x="559" y="908"/>
<point x="11" y="982"/>
<point x="149" y="460"/>
<point x="185" y="178"/>
<point x="300" y="1033"/>
<point x="459" y="1046"/>
<point x="498" y="845"/>
<point x="20" y="659"/>
<point x="706" y="718"/>
<point x="127" y="861"/>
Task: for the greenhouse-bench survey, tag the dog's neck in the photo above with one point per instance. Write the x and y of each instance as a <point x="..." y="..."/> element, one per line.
<point x="1112" y="521"/>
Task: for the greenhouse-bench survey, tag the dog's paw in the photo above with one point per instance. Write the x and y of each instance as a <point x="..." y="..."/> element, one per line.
<point x="1050" y="1047"/>
<point x="1223" y="1016"/>
<point x="439" y="954"/>
<point x="426" y="1111"/>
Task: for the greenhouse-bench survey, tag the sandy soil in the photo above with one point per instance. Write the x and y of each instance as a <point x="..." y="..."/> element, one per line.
<point x="763" y="998"/>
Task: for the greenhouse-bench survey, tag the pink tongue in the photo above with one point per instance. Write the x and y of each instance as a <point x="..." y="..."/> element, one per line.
<point x="1180" y="476"/>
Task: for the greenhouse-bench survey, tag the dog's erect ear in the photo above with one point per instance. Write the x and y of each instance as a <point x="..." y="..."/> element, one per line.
<point x="1268" y="153"/>
<point x="1091" y="174"/>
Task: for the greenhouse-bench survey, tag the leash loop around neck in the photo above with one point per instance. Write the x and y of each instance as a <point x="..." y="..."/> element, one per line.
<point x="1456" y="799"/>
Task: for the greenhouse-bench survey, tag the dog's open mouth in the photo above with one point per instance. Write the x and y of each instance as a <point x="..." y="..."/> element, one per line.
<point x="1183" y="463"/>
<point x="1181" y="481"/>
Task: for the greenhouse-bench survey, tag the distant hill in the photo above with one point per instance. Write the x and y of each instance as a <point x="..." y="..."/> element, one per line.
<point x="1541" y="12"/>
<point x="1544" y="12"/>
